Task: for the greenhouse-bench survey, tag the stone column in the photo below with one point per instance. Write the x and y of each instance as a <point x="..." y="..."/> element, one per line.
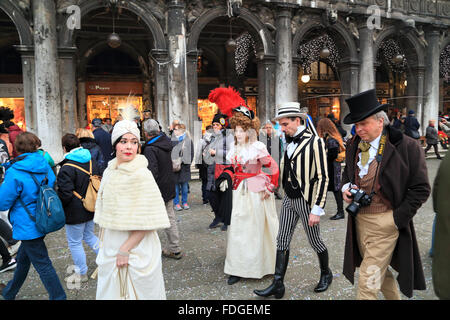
<point x="283" y="44"/>
<point x="266" y="90"/>
<point x="161" y="103"/>
<point x="192" y="83"/>
<point x="177" y="80"/>
<point x="349" y="78"/>
<point x="29" y="96"/>
<point x="48" y="98"/>
<point x="366" y="57"/>
<point x="81" y="99"/>
<point x="68" y="89"/>
<point x="431" y="85"/>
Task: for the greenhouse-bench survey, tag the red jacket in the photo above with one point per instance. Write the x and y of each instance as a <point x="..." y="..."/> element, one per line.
<point x="14" y="131"/>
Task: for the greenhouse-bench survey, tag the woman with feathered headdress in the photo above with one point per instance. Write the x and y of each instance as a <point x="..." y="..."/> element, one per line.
<point x="252" y="216"/>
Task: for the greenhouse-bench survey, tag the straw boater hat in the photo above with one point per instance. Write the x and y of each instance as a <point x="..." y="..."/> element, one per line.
<point x="289" y="109"/>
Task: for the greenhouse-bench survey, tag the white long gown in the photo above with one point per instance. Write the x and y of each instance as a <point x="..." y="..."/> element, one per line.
<point x="142" y="281"/>
<point x="252" y="233"/>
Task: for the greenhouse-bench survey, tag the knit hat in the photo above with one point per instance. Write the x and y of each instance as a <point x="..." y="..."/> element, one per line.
<point x="411" y="112"/>
<point x="123" y="127"/>
<point x="97" y="122"/>
<point x="219" y="118"/>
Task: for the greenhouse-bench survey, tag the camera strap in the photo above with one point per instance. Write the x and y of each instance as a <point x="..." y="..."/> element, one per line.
<point x="378" y="158"/>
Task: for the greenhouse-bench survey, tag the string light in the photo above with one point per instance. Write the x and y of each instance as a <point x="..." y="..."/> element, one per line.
<point x="311" y="52"/>
<point x="444" y="64"/>
<point x="244" y="43"/>
<point x="388" y="53"/>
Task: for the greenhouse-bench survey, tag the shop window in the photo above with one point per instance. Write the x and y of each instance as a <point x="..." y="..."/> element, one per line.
<point x="16" y="104"/>
<point x="108" y="106"/>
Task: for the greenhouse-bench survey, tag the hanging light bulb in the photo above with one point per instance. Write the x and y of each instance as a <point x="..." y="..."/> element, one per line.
<point x="398" y="58"/>
<point x="305" y="78"/>
<point x="113" y="39"/>
<point x="230" y="45"/>
<point x="325" y="53"/>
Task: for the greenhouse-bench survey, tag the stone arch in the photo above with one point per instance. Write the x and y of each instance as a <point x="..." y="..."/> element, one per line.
<point x="414" y="51"/>
<point x="96" y="47"/>
<point x="66" y="37"/>
<point x="210" y="54"/>
<point x="260" y="32"/>
<point x="16" y="15"/>
<point x="445" y="43"/>
<point x="341" y="35"/>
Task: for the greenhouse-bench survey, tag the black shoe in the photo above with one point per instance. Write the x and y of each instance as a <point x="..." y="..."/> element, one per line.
<point x="233" y="279"/>
<point x="277" y="287"/>
<point x="11" y="264"/>
<point x="214" y="224"/>
<point x="339" y="215"/>
<point x="326" y="276"/>
<point x="224" y="228"/>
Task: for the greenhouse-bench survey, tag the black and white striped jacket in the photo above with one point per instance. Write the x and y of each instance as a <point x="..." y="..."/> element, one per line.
<point x="309" y="162"/>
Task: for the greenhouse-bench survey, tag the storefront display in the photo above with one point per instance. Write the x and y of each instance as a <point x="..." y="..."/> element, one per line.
<point x="106" y="99"/>
<point x="11" y="96"/>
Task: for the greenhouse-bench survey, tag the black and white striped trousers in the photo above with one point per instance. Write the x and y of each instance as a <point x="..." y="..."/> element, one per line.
<point x="291" y="211"/>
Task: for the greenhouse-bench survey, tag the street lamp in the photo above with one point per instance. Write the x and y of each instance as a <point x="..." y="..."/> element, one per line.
<point x="305" y="78"/>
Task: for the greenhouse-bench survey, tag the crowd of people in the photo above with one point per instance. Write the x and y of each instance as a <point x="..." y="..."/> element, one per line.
<point x="378" y="169"/>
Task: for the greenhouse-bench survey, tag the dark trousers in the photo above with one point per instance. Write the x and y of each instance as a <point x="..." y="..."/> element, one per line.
<point x="4" y="253"/>
<point x="435" y="146"/>
<point x="339" y="200"/>
<point x="34" y="252"/>
<point x="214" y="201"/>
<point x="6" y="233"/>
<point x="204" y="191"/>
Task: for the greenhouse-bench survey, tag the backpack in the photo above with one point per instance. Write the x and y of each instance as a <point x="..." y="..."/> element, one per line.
<point x="90" y="197"/>
<point x="176" y="163"/>
<point x="49" y="209"/>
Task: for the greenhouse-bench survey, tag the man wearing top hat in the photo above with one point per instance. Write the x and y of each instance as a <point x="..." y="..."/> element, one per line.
<point x="389" y="167"/>
<point x="305" y="181"/>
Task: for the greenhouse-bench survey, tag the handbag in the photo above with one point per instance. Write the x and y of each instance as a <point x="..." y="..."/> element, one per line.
<point x="176" y="163"/>
<point x="340" y="157"/>
<point x="415" y="134"/>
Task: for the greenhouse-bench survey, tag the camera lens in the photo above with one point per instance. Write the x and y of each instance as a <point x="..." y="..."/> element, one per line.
<point x="353" y="208"/>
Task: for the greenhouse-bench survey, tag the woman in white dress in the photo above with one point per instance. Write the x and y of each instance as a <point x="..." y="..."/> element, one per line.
<point x="129" y="210"/>
<point x="251" y="239"/>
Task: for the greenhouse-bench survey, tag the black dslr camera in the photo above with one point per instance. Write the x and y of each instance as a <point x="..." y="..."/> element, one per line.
<point x="360" y="199"/>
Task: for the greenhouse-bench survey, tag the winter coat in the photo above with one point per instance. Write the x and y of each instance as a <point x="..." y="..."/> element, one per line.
<point x="47" y="157"/>
<point x="186" y="151"/>
<point x="403" y="181"/>
<point x="411" y="124"/>
<point x="334" y="168"/>
<point x="14" y="131"/>
<point x="96" y="152"/>
<point x="103" y="140"/>
<point x="72" y="179"/>
<point x="441" y="249"/>
<point x="19" y="183"/>
<point x="158" y="151"/>
<point x="129" y="198"/>
<point x="431" y="135"/>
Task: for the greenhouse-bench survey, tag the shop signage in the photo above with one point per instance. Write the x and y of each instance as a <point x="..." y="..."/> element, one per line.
<point x="11" y="90"/>
<point x="105" y="87"/>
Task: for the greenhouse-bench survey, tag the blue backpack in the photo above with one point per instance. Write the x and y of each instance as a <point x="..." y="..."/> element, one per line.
<point x="49" y="209"/>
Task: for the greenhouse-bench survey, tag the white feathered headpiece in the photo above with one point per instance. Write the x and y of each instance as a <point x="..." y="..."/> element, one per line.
<point x="127" y="125"/>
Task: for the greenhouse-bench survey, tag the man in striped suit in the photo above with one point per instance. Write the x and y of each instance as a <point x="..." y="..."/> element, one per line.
<point x="305" y="181"/>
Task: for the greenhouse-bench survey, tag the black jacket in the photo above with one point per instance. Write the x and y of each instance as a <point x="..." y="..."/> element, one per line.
<point x="157" y="151"/>
<point x="96" y="152"/>
<point x="68" y="180"/>
<point x="103" y="139"/>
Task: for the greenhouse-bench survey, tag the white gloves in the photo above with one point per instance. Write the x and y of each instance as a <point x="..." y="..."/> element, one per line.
<point x="223" y="185"/>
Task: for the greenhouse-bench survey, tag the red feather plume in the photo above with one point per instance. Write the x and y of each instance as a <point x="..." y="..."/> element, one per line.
<point x="226" y="100"/>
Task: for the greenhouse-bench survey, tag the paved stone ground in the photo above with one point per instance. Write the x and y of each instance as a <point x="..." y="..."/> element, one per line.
<point x="199" y="275"/>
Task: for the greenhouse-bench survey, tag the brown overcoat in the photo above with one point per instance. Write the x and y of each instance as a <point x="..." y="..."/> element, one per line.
<point x="403" y="180"/>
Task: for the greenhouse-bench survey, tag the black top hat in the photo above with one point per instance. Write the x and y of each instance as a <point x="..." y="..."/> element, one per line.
<point x="363" y="105"/>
